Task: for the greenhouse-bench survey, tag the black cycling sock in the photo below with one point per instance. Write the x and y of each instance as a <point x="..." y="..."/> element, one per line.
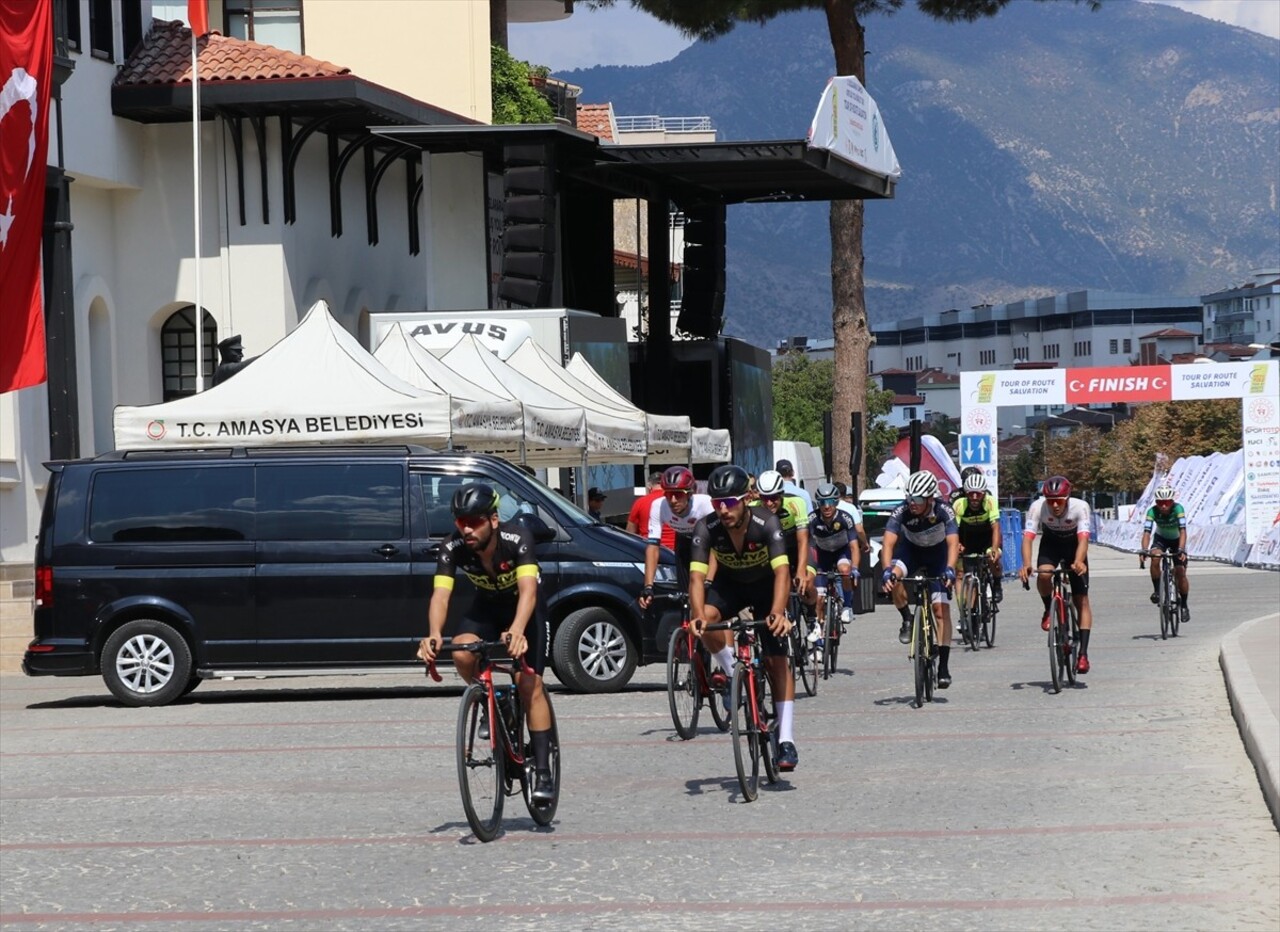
<point x="541" y="741"/>
<point x="905" y="613"/>
<point x="1046" y="600"/>
<point x="1155" y="585"/>
<point x="1182" y="599"/>
<point x="1084" y="641"/>
<point x="944" y="654"/>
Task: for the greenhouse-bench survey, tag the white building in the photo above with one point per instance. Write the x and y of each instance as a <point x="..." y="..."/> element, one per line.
<point x="1246" y="314"/>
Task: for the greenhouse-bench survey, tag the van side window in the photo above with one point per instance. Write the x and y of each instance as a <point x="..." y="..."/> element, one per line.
<point x="437" y="495"/>
<point x="355" y="501"/>
<point x="148" y="505"/>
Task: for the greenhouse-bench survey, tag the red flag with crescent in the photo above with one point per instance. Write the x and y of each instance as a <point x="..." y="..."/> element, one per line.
<point x="26" y="75"/>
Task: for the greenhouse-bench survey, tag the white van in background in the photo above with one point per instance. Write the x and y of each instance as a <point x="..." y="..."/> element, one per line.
<point x="805" y="459"/>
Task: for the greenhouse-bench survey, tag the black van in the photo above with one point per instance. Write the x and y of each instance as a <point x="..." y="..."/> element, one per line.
<point x="159" y="569"/>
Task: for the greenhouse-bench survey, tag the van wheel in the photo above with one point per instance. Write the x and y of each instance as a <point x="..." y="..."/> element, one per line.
<point x="592" y="653"/>
<point x="146" y="662"/>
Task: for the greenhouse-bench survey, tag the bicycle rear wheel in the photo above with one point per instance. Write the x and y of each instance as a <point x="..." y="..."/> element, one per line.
<point x="1055" y="648"/>
<point x="746" y="742"/>
<point x="809" y="671"/>
<point x="988" y="615"/>
<point x="972" y="610"/>
<point x="919" y="654"/>
<point x="1171" y="600"/>
<point x="930" y="660"/>
<point x="830" y="637"/>
<point x="684" y="694"/>
<point x="481" y="766"/>
<point x="1071" y="644"/>
<point x="543" y="813"/>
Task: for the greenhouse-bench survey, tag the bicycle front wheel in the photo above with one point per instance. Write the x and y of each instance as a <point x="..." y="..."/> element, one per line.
<point x="1055" y="647"/>
<point x="809" y="658"/>
<point x="746" y="741"/>
<point x="767" y="718"/>
<point x="481" y="766"/>
<point x="919" y="654"/>
<point x="684" y="694"/>
<point x="1171" y="600"/>
<point x="988" y="616"/>
<point x="830" y="637"/>
<point x="1071" y="644"/>
<point x="543" y="813"/>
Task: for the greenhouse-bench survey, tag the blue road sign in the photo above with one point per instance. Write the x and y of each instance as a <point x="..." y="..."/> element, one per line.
<point x="975" y="449"/>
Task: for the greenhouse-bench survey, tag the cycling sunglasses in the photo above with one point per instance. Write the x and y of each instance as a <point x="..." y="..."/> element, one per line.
<point x="917" y="499"/>
<point x="725" y="502"/>
<point x="831" y="502"/>
<point x="767" y="499"/>
<point x="676" y="493"/>
<point x="470" y="522"/>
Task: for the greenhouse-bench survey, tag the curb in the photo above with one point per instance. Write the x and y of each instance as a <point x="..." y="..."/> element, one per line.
<point x="1258" y="725"/>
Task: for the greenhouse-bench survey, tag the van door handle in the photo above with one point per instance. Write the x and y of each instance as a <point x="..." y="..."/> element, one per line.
<point x="386" y="550"/>
<point x="432" y="551"/>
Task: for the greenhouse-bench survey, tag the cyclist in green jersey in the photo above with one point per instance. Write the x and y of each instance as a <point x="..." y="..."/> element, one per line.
<point x="795" y="528"/>
<point x="1165" y="531"/>
<point x="978" y="519"/>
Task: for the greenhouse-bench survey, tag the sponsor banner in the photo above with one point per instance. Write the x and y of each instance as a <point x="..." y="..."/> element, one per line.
<point x="1261" y="416"/>
<point x="1011" y="387"/>
<point x="439" y="333"/>
<point x="135" y="430"/>
<point x="848" y="123"/>
<point x="1226" y="380"/>
<point x="1102" y="384"/>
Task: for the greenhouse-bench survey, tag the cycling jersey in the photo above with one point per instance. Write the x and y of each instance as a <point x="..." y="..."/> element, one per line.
<point x="514" y="557"/>
<point x="792" y="516"/>
<point x="975" y="524"/>
<point x="1075" y="521"/>
<point x="763" y="548"/>
<point x="661" y="515"/>
<point x="833" y="535"/>
<point x="1167" y="525"/>
<point x="930" y="529"/>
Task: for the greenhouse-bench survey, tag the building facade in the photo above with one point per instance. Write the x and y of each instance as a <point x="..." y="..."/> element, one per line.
<point x="1246" y="314"/>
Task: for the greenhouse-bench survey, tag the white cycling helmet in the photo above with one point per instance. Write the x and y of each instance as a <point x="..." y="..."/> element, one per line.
<point x="975" y="482"/>
<point x="922" y="484"/>
<point x="1164" y="493"/>
<point x="769" y="482"/>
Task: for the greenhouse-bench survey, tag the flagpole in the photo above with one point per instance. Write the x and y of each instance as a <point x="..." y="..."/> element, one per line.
<point x="195" y="168"/>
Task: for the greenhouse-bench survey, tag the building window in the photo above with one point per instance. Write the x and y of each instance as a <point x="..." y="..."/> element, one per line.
<point x="1084" y="347"/>
<point x="178" y="348"/>
<point x="101" y="30"/>
<point x="1051" y="351"/>
<point x="1113" y="347"/>
<point x="1128" y="346"/>
<point x="909" y="414"/>
<point x="986" y="357"/>
<point x="1021" y="353"/>
<point x="130" y="26"/>
<point x="73" y="25"/>
<point x="276" y="23"/>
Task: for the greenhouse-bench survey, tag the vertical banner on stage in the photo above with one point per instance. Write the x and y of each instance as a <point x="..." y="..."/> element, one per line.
<point x="26" y="74"/>
<point x="1260" y="413"/>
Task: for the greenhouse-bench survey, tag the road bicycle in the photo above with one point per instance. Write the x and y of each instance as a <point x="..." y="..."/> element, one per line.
<point x="923" y="652"/>
<point x="1064" y="627"/>
<point x="753" y="712"/>
<point x="499" y="764"/>
<point x="806" y="655"/>
<point x="977" y="606"/>
<point x="1167" y="592"/>
<point x="689" y="683"/>
<point x="832" y="626"/>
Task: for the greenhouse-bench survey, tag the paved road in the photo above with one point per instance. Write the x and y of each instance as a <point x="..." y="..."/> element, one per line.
<point x="1126" y="803"/>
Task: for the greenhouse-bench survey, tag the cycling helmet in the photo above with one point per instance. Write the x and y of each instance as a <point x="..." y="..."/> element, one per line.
<point x="975" y="482"/>
<point x="769" y="483"/>
<point x="474" y="498"/>
<point x="827" y="490"/>
<point x="1164" y="493"/>
<point x="1057" y="487"/>
<point x="728" y="482"/>
<point x="922" y="484"/>
<point x="677" y="478"/>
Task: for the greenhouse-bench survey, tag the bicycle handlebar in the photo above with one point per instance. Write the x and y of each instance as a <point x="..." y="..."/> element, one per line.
<point x="476" y="647"/>
<point x="738" y="624"/>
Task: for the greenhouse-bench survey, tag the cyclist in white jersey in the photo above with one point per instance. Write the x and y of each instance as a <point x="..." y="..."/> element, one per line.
<point x="680" y="509"/>
<point x="1065" y="523"/>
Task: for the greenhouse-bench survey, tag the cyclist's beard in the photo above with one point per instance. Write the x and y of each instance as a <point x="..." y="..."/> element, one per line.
<point x="733" y="519"/>
<point x="478" y="539"/>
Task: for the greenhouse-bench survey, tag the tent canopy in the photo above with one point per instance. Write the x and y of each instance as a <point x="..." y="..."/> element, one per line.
<point x="316" y="384"/>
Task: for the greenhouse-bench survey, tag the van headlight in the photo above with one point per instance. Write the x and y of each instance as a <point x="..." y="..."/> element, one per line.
<point x="665" y="573"/>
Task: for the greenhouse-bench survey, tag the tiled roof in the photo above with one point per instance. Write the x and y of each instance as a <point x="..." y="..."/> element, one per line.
<point x="165" y="58"/>
<point x="937" y="377"/>
<point x="908" y="399"/>
<point x="627" y="260"/>
<point x="596" y="119"/>
<point x="1166" y="332"/>
<point x="893" y="372"/>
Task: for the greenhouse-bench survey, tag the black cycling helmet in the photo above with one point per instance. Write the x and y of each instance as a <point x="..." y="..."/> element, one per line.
<point x="1057" y="487"/>
<point x="728" y="482"/>
<point x="474" y="499"/>
<point x="677" y="478"/>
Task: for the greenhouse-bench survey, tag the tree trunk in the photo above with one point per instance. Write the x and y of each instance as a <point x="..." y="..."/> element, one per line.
<point x="849" y="306"/>
<point x="498" y="23"/>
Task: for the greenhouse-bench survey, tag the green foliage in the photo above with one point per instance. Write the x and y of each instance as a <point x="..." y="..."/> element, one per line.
<point x="802" y="390"/>
<point x="1163" y="432"/>
<point x="515" y="100"/>
<point x="946" y="429"/>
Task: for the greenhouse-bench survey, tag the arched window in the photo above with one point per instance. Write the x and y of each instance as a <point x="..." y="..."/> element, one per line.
<point x="178" y="345"/>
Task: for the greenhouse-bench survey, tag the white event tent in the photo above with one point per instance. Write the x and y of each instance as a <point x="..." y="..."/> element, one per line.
<point x="316" y="384"/>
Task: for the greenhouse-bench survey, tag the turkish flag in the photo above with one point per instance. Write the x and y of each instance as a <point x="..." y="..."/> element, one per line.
<point x="26" y="76"/>
<point x="198" y="16"/>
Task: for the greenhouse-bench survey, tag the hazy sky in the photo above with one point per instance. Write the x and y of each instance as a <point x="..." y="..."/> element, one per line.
<point x="623" y="36"/>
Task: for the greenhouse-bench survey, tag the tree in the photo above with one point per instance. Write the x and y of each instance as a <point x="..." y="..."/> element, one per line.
<point x="708" y="19"/>
<point x="946" y="429"/>
<point x="1164" y="431"/>
<point x="1078" y="456"/>
<point x="515" y="100"/>
<point x="801" y="395"/>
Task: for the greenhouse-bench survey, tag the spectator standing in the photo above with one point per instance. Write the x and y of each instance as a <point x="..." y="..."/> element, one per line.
<point x="789" y="484"/>
<point x="595" y="501"/>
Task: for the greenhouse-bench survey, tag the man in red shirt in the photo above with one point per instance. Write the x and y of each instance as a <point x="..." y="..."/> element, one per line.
<point x="638" y="520"/>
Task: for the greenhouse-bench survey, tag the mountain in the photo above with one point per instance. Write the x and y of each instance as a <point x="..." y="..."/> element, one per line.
<point x="1046" y="149"/>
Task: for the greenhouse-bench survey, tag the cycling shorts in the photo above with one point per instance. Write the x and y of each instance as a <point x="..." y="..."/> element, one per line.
<point x="731" y="598"/>
<point x="930" y="560"/>
<point x="537" y="632"/>
<point x="1052" y="552"/>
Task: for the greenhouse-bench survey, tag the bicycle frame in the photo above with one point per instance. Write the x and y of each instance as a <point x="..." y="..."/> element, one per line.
<point x="499" y="728"/>
<point x="924" y="634"/>
<point x="1168" y="592"/>
<point x="1063" y="622"/>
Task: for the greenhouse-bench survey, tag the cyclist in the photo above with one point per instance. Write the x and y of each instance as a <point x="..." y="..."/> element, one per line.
<point x="638" y="518"/>
<point x="499" y="559"/>
<point x="795" y="528"/>
<point x="958" y="492"/>
<point x="679" y="509"/>
<point x="978" y="518"/>
<point x="833" y="548"/>
<point x="1064" y="521"/>
<point x="929" y="542"/>
<point x="751" y="572"/>
<point x="1168" y="520"/>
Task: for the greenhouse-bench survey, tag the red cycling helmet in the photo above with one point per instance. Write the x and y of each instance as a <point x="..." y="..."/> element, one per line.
<point x="677" y="478"/>
<point x="1057" y="487"/>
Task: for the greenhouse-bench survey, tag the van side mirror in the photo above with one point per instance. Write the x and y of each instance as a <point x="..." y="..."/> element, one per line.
<point x="537" y="527"/>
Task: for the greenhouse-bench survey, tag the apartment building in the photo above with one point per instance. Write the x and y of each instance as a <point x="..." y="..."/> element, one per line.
<point x="1247" y="314"/>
